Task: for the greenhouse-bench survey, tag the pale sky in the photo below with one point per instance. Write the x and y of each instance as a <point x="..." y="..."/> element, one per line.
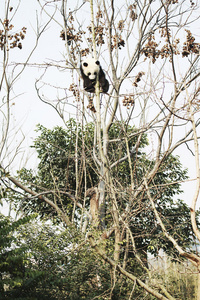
<point x="27" y="110"/>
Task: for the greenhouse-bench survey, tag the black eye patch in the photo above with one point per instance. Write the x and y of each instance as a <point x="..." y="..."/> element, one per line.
<point x="89" y="74"/>
<point x="97" y="62"/>
<point x="85" y="64"/>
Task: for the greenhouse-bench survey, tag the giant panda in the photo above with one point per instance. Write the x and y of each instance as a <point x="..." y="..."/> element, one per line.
<point x="90" y="68"/>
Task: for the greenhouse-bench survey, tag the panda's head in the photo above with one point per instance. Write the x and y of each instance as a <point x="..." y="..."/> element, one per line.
<point x="91" y="67"/>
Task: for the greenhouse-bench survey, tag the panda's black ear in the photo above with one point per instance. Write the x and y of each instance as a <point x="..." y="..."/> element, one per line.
<point x="85" y="64"/>
<point x="97" y="62"/>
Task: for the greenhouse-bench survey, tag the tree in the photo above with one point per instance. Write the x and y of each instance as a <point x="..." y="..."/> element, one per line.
<point x="152" y="62"/>
<point x="36" y="261"/>
<point x="12" y="256"/>
<point x="56" y="150"/>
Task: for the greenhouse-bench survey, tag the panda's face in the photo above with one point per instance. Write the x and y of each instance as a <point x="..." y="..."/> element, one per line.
<point x="91" y="68"/>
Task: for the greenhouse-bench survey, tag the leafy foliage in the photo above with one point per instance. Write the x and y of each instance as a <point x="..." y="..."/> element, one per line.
<point x="12" y="254"/>
<point x="38" y="260"/>
<point x="56" y="175"/>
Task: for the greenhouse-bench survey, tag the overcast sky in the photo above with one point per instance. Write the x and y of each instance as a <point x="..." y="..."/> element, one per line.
<point x="27" y="110"/>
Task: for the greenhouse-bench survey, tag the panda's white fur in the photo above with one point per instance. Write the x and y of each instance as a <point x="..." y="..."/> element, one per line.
<point x="91" y="69"/>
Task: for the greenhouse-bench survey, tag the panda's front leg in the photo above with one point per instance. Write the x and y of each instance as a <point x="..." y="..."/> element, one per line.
<point x="89" y="85"/>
